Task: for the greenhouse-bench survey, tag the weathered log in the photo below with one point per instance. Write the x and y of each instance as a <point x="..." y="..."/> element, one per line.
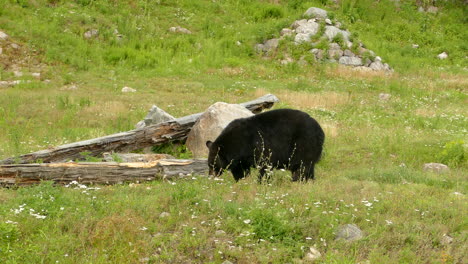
<point x="99" y="172"/>
<point x="130" y="140"/>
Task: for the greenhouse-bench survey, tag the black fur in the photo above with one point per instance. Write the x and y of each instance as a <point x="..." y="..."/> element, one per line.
<point x="282" y="138"/>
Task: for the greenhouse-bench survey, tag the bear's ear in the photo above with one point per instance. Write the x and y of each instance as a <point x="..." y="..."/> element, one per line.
<point x="209" y="143"/>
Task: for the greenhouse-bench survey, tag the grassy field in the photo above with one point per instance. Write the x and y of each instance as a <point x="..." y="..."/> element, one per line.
<point x="371" y="174"/>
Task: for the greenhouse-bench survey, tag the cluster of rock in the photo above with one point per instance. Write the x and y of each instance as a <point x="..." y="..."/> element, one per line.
<point x="340" y="48"/>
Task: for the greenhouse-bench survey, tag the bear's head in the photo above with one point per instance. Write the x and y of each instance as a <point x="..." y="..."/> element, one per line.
<point x="216" y="162"/>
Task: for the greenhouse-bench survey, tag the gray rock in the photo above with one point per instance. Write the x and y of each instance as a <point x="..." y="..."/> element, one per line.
<point x="349" y="53"/>
<point x="377" y="58"/>
<point x="318" y="53"/>
<point x="286" y="32"/>
<point x="36" y="75"/>
<point x="335" y="51"/>
<point x="259" y="48"/>
<point x="384" y="96"/>
<point x="313" y="254"/>
<point x="156" y="115"/>
<point x="421" y="9"/>
<point x="219" y="233"/>
<point x="179" y="29"/>
<point x="210" y="124"/>
<point x="301" y="37"/>
<point x="442" y="56"/>
<point x="436" y="167"/>
<point x="315" y="12"/>
<point x="310" y="27"/>
<point x="298" y="23"/>
<point x="306" y="30"/>
<point x="377" y="66"/>
<point x="164" y="215"/>
<point x="270" y="45"/>
<point x="91" y="33"/>
<point x="227" y="262"/>
<point x="349" y="233"/>
<point x="1" y="50"/>
<point x="446" y="240"/>
<point x="332" y="31"/>
<point x="328" y="22"/>
<point x="367" y="63"/>
<point x="3" y="36"/>
<point x="128" y="90"/>
<point x="415" y="46"/>
<point x="352" y="61"/>
<point x="14" y="46"/>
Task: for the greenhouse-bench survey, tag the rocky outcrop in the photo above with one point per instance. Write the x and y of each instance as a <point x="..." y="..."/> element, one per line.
<point x="317" y="28"/>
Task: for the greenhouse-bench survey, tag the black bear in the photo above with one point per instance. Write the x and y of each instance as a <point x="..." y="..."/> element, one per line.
<point x="283" y="138"/>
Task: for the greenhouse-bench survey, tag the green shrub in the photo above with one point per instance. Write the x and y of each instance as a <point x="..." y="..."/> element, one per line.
<point x="453" y="153"/>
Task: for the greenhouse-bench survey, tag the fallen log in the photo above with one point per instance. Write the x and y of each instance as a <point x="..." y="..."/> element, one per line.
<point x="130" y="140"/>
<point x="99" y="172"/>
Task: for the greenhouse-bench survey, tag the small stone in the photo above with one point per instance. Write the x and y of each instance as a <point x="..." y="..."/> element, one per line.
<point x="442" y="56"/>
<point x="227" y="262"/>
<point x="1" y="50"/>
<point x="91" y="33"/>
<point x="286" y="32"/>
<point x="328" y="21"/>
<point x="179" y="29"/>
<point x="349" y="233"/>
<point x="384" y="96"/>
<point x="14" y="46"/>
<point x="128" y="90"/>
<point x="164" y="215"/>
<point x="18" y="73"/>
<point x="36" y="75"/>
<point x="446" y="240"/>
<point x="3" y="36"/>
<point x="377" y="58"/>
<point x="436" y="167"/>
<point x="219" y="233"/>
<point x="313" y="254"/>
<point x="421" y="9"/>
<point x="415" y="46"/>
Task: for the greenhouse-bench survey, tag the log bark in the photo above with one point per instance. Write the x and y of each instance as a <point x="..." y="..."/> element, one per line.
<point x="130" y="140"/>
<point x="100" y="172"/>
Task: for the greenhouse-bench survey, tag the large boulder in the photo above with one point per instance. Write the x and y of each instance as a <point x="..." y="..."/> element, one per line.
<point x="210" y="124"/>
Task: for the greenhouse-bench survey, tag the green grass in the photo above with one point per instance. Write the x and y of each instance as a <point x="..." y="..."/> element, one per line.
<point x="371" y="174"/>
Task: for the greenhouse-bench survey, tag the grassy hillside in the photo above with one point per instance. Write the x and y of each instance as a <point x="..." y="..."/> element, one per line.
<point x="371" y="174"/>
